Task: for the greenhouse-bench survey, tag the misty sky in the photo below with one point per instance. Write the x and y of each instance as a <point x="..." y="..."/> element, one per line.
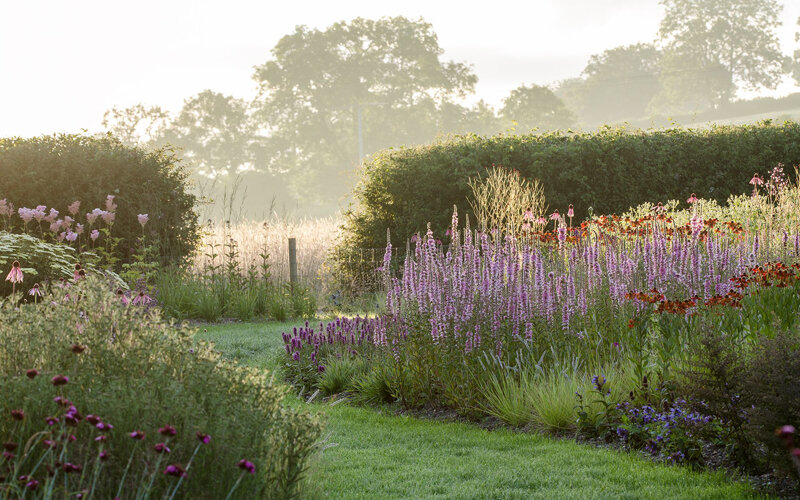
<point x="63" y="63"/>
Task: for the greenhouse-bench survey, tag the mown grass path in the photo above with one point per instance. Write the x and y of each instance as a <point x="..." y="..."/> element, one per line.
<point x="371" y="454"/>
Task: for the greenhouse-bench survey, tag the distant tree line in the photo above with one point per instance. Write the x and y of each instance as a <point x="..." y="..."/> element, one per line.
<point x="327" y="98"/>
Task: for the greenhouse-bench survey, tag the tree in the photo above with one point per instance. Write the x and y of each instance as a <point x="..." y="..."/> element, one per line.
<point x="620" y="83"/>
<point x="720" y="40"/>
<point x="136" y="125"/>
<point x="536" y="107"/>
<point x="331" y="95"/>
<point x="215" y="133"/>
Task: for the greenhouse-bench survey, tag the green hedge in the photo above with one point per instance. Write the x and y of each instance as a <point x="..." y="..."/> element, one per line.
<point x="60" y="169"/>
<point x="609" y="170"/>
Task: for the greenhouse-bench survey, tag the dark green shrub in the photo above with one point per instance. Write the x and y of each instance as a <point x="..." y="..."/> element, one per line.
<point x="609" y="170"/>
<point x="753" y="391"/>
<point x="770" y="393"/>
<point x="57" y="170"/>
<point x="138" y="373"/>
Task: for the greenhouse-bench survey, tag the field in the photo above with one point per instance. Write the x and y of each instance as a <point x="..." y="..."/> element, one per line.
<point x="652" y="353"/>
<point x="369" y="453"/>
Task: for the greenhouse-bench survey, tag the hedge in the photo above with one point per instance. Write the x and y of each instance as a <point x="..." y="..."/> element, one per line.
<point x="609" y="170"/>
<point x="60" y="169"/>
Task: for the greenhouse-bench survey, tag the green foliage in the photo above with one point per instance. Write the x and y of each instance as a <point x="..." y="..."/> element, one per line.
<point x="752" y="390"/>
<point x="57" y="170"/>
<point x="610" y="171"/>
<point x="41" y="262"/>
<point x="536" y="107"/>
<point x="138" y="373"/>
<point x="341" y="374"/>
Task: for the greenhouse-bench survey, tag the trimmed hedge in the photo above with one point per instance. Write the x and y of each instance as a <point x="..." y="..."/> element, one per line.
<point x="60" y="169"/>
<point x="610" y="170"/>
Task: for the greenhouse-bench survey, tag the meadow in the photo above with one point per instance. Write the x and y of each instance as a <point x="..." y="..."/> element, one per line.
<point x="664" y="340"/>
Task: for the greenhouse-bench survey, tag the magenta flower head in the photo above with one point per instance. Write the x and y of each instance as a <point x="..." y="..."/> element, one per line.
<point x="203" y="438"/>
<point x="32" y="373"/>
<point x="100" y="438"/>
<point x="161" y="448"/>
<point x="49" y="443"/>
<point x="143" y="218"/>
<point x="103" y="455"/>
<point x="247" y="465"/>
<point x="59" y="380"/>
<point x="32" y="484"/>
<point x="167" y="430"/>
<point x="17" y="414"/>
<point x="137" y="435"/>
<point x="175" y="470"/>
<point x="51" y="420"/>
<point x="15" y="275"/>
<point x="104" y="426"/>
<point x="93" y="419"/>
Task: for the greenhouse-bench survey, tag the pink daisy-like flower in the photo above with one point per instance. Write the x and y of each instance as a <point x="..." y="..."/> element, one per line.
<point x="692" y="199"/>
<point x="143" y="218"/>
<point x="555" y="215"/>
<point x="15" y="276"/>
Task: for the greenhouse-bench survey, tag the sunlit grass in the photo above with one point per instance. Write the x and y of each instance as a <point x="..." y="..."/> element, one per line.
<point x="375" y="454"/>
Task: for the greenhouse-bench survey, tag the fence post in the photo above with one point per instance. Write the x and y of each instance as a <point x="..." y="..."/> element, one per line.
<point x="292" y="262"/>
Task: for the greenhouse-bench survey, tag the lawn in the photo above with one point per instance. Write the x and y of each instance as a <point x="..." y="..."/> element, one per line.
<point x="373" y="454"/>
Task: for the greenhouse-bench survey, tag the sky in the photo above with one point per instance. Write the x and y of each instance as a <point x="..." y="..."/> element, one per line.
<point x="64" y="63"/>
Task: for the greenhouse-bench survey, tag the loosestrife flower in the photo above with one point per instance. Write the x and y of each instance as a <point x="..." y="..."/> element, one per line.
<point x="74" y="207"/>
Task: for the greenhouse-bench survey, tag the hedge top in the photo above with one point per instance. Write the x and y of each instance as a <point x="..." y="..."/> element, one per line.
<point x="609" y="170"/>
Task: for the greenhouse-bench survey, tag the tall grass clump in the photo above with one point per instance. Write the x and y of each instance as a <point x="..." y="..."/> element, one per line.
<point x="101" y="396"/>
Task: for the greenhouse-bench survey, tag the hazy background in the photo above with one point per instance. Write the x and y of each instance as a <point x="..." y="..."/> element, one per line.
<point x="64" y="64"/>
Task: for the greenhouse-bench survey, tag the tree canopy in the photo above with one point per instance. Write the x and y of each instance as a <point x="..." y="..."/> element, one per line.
<point x="536" y="107"/>
<point x="355" y="87"/>
<point x="719" y="46"/>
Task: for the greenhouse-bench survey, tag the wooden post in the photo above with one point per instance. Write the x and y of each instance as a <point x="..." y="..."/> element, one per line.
<point x="292" y="262"/>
